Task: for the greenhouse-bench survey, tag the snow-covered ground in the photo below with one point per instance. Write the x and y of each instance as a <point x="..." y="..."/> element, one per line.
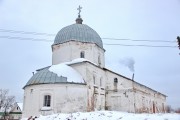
<point x="109" y="115"/>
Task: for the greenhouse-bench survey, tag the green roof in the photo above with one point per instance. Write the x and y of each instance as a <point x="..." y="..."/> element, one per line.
<point x="44" y="76"/>
<point x="78" y="32"/>
<point x="1" y="113"/>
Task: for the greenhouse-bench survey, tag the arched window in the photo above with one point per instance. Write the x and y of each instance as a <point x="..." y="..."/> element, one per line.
<point x="82" y="54"/>
<point x="47" y="101"/>
<point x="115" y="80"/>
<point x="115" y="84"/>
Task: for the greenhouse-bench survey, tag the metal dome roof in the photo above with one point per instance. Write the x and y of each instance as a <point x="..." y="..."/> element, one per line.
<point x="44" y="76"/>
<point x="78" y="32"/>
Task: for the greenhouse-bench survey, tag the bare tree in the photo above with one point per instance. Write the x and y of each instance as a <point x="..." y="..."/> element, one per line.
<point x="168" y="109"/>
<point x="6" y="102"/>
<point x="177" y="110"/>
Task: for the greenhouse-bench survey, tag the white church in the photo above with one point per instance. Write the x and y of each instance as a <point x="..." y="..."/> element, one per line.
<point x="78" y="81"/>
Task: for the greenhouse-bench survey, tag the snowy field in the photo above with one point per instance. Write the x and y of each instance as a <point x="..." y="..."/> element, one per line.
<point x="109" y="115"/>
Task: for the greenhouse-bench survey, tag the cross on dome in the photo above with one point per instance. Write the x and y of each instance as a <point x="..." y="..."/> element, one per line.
<point x="79" y="9"/>
<point x="79" y="19"/>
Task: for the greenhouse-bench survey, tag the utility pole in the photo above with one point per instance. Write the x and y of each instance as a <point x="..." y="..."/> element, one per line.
<point x="178" y="40"/>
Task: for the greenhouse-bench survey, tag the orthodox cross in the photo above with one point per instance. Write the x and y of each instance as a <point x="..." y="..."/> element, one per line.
<point x="79" y="8"/>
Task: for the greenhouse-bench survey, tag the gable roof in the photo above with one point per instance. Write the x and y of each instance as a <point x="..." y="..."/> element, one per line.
<point x="80" y="62"/>
<point x="14" y="108"/>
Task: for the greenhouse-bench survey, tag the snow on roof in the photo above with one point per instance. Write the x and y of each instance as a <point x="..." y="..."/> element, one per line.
<point x="109" y="115"/>
<point x="3" y="109"/>
<point x="20" y="106"/>
<point x="66" y="71"/>
<point x="78" y="60"/>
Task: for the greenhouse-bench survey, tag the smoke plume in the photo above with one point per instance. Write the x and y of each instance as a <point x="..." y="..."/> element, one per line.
<point x="128" y="62"/>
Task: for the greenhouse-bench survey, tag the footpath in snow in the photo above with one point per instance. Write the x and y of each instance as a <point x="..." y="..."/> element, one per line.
<point x="109" y="115"/>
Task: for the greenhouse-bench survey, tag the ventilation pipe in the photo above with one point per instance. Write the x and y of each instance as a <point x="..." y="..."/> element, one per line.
<point x="133" y="77"/>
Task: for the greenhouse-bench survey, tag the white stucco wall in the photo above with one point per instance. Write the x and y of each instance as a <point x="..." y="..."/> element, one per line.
<point x="125" y="95"/>
<point x="131" y="96"/>
<point x="71" y="50"/>
<point x="99" y="93"/>
<point x="119" y="95"/>
<point x="95" y="79"/>
<point x="64" y="98"/>
<point x="149" y="100"/>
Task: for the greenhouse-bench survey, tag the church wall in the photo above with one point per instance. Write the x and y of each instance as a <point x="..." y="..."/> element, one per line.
<point x="95" y="79"/>
<point x="58" y="54"/>
<point x="65" y="98"/>
<point x="119" y="94"/>
<point x="81" y="68"/>
<point x="98" y="56"/>
<point x="120" y="100"/>
<point x="148" y="100"/>
<point x="123" y="94"/>
<point x="143" y="102"/>
<point x="30" y="102"/>
<point x="73" y="49"/>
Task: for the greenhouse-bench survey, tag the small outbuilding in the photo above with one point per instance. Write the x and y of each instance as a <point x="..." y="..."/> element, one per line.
<point x="16" y="111"/>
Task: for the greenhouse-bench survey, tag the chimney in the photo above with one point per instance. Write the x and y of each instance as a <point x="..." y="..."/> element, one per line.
<point x="133" y="77"/>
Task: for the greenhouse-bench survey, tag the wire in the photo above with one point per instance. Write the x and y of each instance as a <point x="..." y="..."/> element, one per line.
<point x="47" y="34"/>
<point x="141" y="45"/>
<point x="23" y="32"/>
<point x="30" y="39"/>
<point x="140" y="40"/>
<point x="45" y="40"/>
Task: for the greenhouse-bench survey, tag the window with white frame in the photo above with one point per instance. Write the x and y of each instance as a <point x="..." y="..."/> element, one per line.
<point x="47" y="101"/>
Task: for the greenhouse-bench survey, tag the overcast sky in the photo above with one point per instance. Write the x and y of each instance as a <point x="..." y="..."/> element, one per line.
<point x="157" y="68"/>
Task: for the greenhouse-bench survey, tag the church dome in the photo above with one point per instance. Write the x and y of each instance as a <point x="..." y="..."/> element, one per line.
<point x="78" y="32"/>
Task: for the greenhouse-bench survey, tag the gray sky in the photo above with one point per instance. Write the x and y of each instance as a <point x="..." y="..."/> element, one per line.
<point x="157" y="68"/>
